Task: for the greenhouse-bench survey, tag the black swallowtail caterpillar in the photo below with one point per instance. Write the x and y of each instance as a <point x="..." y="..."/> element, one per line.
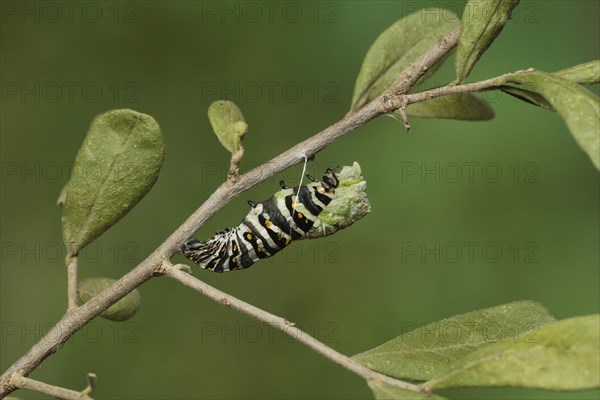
<point x="317" y="209"/>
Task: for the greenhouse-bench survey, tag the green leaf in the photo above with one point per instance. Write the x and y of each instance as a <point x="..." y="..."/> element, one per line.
<point x="383" y="391"/>
<point x="228" y="123"/>
<point x="527" y="96"/>
<point x="579" y="107"/>
<point x="481" y="23"/>
<point x="561" y="356"/>
<point x="398" y="46"/>
<point x="461" y="106"/>
<point x="122" y="310"/>
<point x="584" y="74"/>
<point x="430" y="350"/>
<point x="115" y="167"/>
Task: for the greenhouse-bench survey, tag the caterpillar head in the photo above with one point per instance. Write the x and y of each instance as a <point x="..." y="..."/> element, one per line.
<point x="330" y="179"/>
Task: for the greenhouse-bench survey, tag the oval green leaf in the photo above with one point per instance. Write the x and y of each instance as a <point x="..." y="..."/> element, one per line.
<point x="397" y="47"/>
<point x="561" y="356"/>
<point x="383" y="391"/>
<point x="460" y="106"/>
<point x="579" y="107"/>
<point x="228" y="124"/>
<point x="122" y="310"/>
<point x="481" y="23"/>
<point x="430" y="350"/>
<point x="584" y="74"/>
<point x="115" y="167"/>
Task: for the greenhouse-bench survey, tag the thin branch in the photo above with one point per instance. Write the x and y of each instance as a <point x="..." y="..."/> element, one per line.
<point x="234" y="166"/>
<point x="20" y="382"/>
<point x="287" y="327"/>
<point x="446" y="90"/>
<point x="72" y="283"/>
<point x="76" y="318"/>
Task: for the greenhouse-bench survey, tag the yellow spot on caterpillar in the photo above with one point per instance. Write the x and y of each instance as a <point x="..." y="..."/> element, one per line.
<point x="234" y="248"/>
<point x="233" y="259"/>
<point x="299" y="215"/>
<point x="259" y="250"/>
<point x="268" y="223"/>
<point x="287" y="241"/>
<point x="249" y="236"/>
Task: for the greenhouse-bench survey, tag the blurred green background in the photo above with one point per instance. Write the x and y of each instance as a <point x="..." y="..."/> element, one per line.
<point x="291" y="67"/>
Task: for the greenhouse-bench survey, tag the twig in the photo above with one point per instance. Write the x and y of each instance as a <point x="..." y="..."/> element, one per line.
<point x="446" y="90"/>
<point x="234" y="166"/>
<point x="72" y="283"/>
<point x="74" y="320"/>
<point x="402" y="112"/>
<point x="20" y="382"/>
<point x="287" y="327"/>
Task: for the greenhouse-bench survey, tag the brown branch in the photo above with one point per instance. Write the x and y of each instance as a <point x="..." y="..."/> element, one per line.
<point x="234" y="166"/>
<point x="175" y="272"/>
<point x="76" y="318"/>
<point x="72" y="283"/>
<point x="20" y="382"/>
<point x="447" y="90"/>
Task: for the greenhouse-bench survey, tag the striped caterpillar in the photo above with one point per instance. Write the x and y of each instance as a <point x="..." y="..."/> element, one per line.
<point x="317" y="209"/>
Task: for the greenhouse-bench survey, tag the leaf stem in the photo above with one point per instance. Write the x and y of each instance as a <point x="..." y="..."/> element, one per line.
<point x="447" y="90"/>
<point x="72" y="283"/>
<point x="234" y="166"/>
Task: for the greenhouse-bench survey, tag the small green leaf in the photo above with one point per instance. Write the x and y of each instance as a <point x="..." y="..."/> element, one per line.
<point x="429" y="350"/>
<point x="383" y="391"/>
<point x="228" y="123"/>
<point x="122" y="310"/>
<point x="482" y="22"/>
<point x="584" y="74"/>
<point x="397" y="47"/>
<point x="461" y="106"/>
<point x="561" y="356"/>
<point x="579" y="107"/>
<point x="115" y="167"/>
<point x="527" y="96"/>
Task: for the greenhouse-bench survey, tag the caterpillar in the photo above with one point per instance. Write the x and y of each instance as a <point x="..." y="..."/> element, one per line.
<point x="307" y="211"/>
